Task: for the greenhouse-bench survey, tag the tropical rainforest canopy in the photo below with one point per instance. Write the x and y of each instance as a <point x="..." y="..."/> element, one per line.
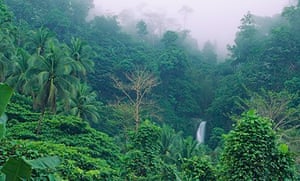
<point x="94" y="102"/>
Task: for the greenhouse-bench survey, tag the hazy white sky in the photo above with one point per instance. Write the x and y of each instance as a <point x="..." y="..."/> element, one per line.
<point x="214" y="20"/>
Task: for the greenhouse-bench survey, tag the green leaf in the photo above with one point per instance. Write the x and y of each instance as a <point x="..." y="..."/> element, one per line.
<point x="251" y="112"/>
<point x="52" y="177"/>
<point x="6" y="93"/>
<point x="283" y="148"/>
<point x="16" y="169"/>
<point x="44" y="162"/>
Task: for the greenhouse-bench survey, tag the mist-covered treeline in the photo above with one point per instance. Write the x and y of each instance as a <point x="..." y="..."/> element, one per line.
<point x="114" y="105"/>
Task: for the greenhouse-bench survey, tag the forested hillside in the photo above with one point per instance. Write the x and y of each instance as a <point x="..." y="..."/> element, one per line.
<point x="105" y="104"/>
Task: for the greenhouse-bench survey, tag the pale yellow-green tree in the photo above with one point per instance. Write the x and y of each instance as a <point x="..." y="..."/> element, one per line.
<point x="136" y="86"/>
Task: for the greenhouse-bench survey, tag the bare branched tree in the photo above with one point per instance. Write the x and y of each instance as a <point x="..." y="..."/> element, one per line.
<point x="136" y="87"/>
<point x="276" y="106"/>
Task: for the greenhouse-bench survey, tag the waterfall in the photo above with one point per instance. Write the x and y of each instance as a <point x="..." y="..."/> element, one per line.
<point x="201" y="132"/>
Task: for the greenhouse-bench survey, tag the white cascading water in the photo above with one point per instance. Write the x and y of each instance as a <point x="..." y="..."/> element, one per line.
<point x="201" y="132"/>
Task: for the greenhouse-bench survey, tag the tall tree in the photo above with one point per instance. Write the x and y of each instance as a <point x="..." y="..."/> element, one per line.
<point x="137" y="85"/>
<point x="247" y="42"/>
<point x="82" y="54"/>
<point x="38" y="41"/>
<point x="52" y="73"/>
<point x="141" y="27"/>
<point x="84" y="104"/>
<point x="17" y="75"/>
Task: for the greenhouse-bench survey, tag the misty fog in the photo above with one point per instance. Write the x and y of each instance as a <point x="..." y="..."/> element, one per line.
<point x="214" y="20"/>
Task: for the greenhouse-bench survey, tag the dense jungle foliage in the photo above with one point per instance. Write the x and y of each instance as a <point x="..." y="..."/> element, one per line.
<point x="94" y="102"/>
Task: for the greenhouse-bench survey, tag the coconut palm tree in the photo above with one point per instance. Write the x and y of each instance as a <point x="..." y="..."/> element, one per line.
<point x="17" y="74"/>
<point x="51" y="72"/>
<point x="38" y="41"/>
<point x="6" y="52"/>
<point x="84" y="104"/>
<point x="82" y="53"/>
<point x="51" y="77"/>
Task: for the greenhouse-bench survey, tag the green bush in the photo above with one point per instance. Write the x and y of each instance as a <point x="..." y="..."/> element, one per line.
<point x="198" y="168"/>
<point x="76" y="163"/>
<point x="142" y="161"/>
<point x="86" y="154"/>
<point x="251" y="152"/>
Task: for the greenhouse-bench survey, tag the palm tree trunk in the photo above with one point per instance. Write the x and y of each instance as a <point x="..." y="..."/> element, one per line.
<point x="40" y="121"/>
